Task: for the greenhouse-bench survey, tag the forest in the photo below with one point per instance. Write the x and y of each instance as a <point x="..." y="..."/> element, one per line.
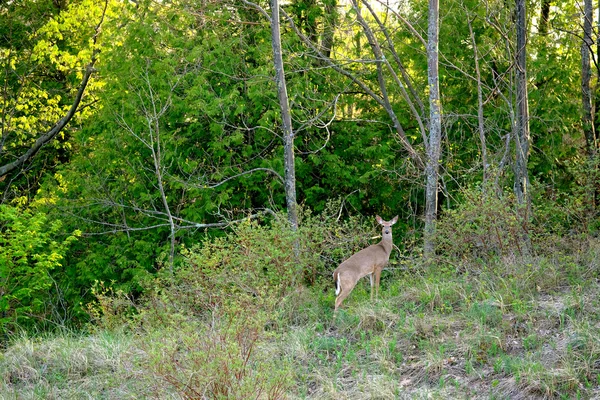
<point x="180" y="178"/>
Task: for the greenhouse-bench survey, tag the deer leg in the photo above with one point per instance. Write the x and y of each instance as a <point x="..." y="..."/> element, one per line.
<point x="377" y="277"/>
<point x="345" y="289"/>
<point x="371" y="280"/>
<point x="338" y="300"/>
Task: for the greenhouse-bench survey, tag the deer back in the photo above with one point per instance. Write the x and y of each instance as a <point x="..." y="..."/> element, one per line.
<point x="367" y="260"/>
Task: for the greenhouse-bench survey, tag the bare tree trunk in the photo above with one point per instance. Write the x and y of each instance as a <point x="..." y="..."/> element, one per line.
<point x="521" y="184"/>
<point x="586" y="77"/>
<point x="480" y="117"/>
<point x="156" y="149"/>
<point x="595" y="91"/>
<point x="288" y="133"/>
<point x="435" y="130"/>
<point x="589" y="121"/>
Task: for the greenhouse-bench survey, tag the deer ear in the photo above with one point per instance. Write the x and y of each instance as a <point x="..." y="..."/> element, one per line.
<point x="379" y="220"/>
<point x="393" y="221"/>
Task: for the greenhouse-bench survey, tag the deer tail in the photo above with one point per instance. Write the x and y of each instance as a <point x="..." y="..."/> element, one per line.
<point x="336" y="279"/>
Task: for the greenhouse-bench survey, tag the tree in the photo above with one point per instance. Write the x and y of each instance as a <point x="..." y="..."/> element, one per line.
<point x="587" y="118"/>
<point x="586" y="77"/>
<point x="522" y="137"/>
<point x="23" y="134"/>
<point x="435" y="130"/>
<point x="286" y="118"/>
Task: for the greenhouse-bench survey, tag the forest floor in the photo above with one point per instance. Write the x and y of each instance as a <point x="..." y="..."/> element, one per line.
<point x="504" y="330"/>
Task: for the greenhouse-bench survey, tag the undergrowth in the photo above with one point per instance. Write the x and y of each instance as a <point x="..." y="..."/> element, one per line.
<point x="251" y="316"/>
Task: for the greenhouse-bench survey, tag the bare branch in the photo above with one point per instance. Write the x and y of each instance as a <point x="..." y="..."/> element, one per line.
<point x="116" y="228"/>
<point x="408" y="24"/>
<point x="259" y="8"/>
<point x="480" y="118"/>
<point x="379" y="99"/>
<point x="399" y="83"/>
<point x="217" y="184"/>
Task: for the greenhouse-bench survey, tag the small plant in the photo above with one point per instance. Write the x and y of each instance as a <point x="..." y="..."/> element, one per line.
<point x="531" y="342"/>
<point x="487" y="313"/>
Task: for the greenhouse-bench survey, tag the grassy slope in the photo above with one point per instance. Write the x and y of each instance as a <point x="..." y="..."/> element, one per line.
<point x="507" y="329"/>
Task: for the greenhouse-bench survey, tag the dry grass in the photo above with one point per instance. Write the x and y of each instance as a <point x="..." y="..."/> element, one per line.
<point x="71" y="366"/>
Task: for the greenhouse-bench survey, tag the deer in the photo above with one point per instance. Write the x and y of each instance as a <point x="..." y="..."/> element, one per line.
<point x="368" y="261"/>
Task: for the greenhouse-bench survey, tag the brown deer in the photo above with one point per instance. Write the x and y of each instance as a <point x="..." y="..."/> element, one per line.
<point x="369" y="261"/>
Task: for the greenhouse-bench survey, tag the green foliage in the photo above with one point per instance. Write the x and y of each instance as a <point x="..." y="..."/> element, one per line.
<point x="44" y="48"/>
<point x="254" y="263"/>
<point x="574" y="211"/>
<point x="581" y="207"/>
<point x="31" y="248"/>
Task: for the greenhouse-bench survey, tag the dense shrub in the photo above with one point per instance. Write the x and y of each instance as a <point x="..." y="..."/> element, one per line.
<point x="30" y="249"/>
<point x="253" y="266"/>
<point x="485" y="224"/>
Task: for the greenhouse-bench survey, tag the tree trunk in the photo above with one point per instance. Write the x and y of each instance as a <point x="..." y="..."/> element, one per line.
<point x="435" y="130"/>
<point x="288" y="133"/>
<point x="480" y="116"/>
<point x="586" y="77"/>
<point x="596" y="115"/>
<point x="521" y="184"/>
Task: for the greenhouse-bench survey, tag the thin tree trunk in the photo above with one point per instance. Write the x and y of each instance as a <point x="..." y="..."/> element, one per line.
<point x="435" y="130"/>
<point x="480" y="117"/>
<point x="521" y="184"/>
<point x="288" y="133"/>
<point x="158" y="171"/>
<point x="589" y="121"/>
<point x="596" y="115"/>
<point x="586" y="77"/>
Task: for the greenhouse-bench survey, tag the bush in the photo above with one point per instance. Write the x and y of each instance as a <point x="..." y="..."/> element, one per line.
<point x="30" y="249"/>
<point x="482" y="226"/>
<point x="253" y="267"/>
<point x="224" y="359"/>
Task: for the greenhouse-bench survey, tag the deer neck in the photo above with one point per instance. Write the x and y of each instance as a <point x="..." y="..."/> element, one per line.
<point x="386" y="243"/>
